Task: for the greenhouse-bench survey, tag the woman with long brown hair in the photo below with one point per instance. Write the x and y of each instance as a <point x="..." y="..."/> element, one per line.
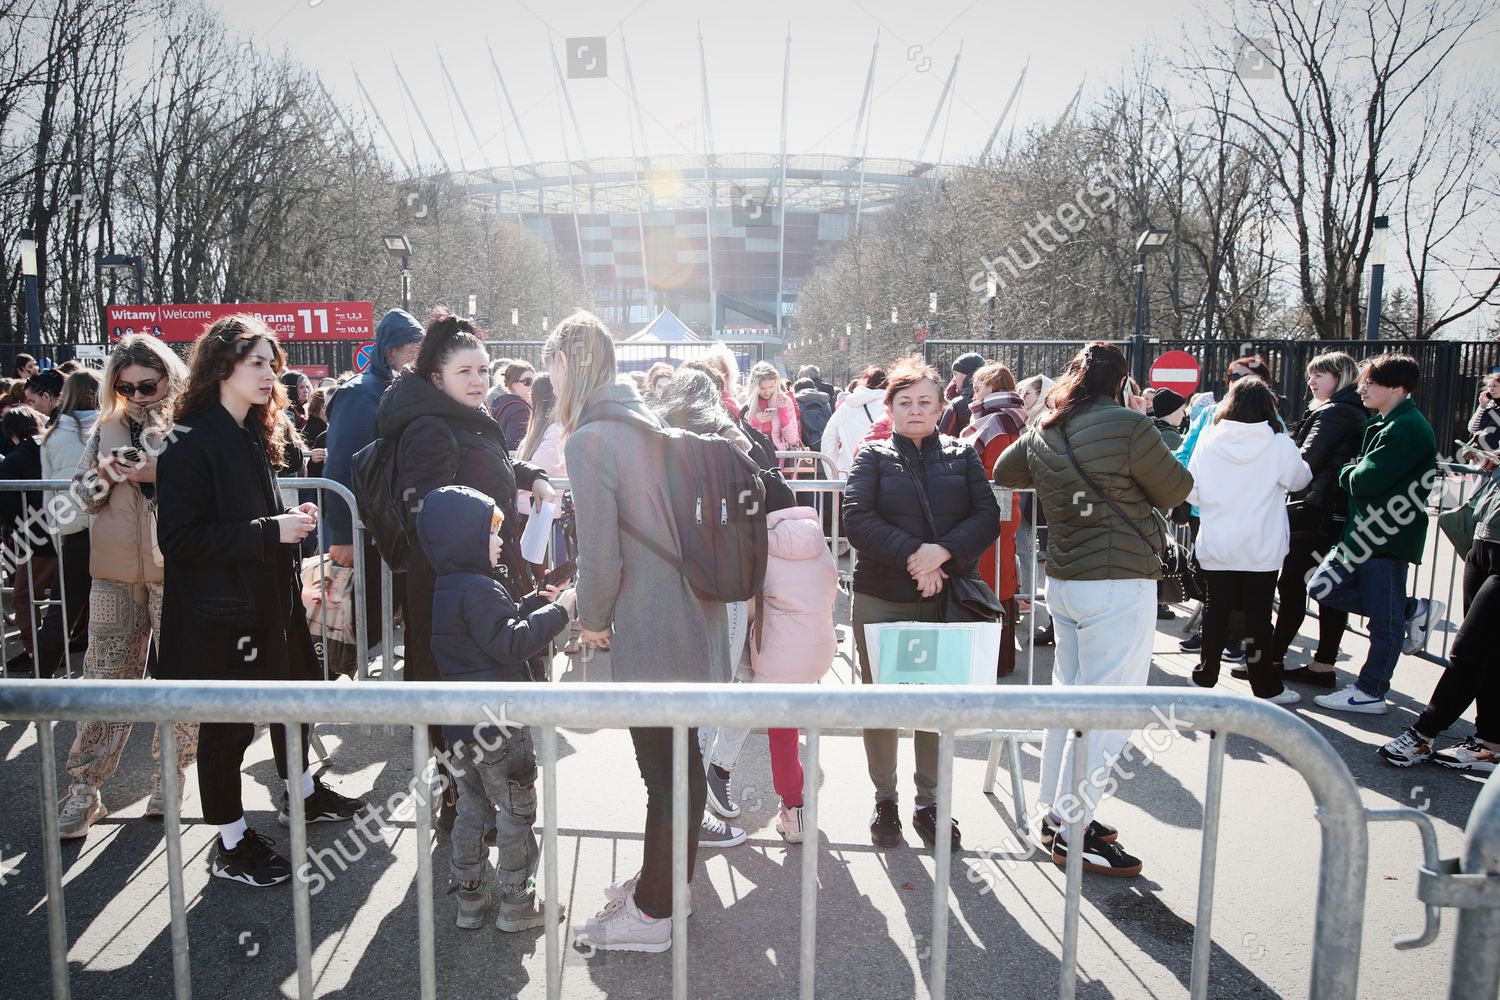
<point x="116" y="485"/>
<point x="232" y="606"/>
<point x="1100" y="470"/>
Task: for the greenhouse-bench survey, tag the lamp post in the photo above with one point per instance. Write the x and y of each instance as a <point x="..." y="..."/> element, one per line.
<point x="1151" y="240"/>
<point x="515" y="319"/>
<point x="991" y="287"/>
<point x="1377" y="275"/>
<point x="125" y="262"/>
<point x="28" y="271"/>
<point x="399" y="247"/>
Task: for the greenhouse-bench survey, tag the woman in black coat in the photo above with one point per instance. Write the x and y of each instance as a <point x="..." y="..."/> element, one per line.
<point x="447" y="438"/>
<point x="231" y="603"/>
<point x="902" y="568"/>
<point x="1329" y="436"/>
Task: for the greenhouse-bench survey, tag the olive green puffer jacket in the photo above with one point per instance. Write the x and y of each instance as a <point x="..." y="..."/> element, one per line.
<point x="1126" y="457"/>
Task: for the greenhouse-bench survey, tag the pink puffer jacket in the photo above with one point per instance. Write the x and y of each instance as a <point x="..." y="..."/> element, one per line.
<point x="798" y="643"/>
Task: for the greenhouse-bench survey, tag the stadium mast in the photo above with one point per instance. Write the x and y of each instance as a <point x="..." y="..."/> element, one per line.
<point x="583" y="273"/>
<point x="942" y="99"/>
<point x="510" y="163"/>
<point x="1014" y="93"/>
<point x="375" y="110"/>
<point x="708" y="209"/>
<point x="866" y="112"/>
<point x="422" y="118"/>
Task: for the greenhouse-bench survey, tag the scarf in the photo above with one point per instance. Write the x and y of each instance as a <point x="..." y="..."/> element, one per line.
<point x="998" y="413"/>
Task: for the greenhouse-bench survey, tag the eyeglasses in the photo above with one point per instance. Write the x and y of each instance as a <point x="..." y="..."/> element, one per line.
<point x="526" y="380"/>
<point x="145" y="388"/>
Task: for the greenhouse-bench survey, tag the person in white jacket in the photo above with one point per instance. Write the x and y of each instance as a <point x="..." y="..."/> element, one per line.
<point x="852" y="420"/>
<point x="62" y="452"/>
<point x="1243" y="467"/>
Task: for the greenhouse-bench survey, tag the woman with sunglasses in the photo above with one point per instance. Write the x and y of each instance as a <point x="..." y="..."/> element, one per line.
<point x="116" y="484"/>
<point x="512" y="408"/>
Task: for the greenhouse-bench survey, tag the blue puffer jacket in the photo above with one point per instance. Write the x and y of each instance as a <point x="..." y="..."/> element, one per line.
<point x="351" y="418"/>
<point x="478" y="632"/>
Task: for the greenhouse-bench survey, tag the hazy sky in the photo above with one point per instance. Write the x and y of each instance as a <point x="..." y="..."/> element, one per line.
<point x="1067" y="43"/>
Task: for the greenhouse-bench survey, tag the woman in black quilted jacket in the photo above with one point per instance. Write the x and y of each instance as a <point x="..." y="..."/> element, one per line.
<point x="903" y="564"/>
<point x="1329" y="436"/>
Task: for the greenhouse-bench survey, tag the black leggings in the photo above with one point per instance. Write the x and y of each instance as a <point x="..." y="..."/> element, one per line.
<point x="221" y="753"/>
<point x="1305" y="554"/>
<point x="653" y="755"/>
<point x="1229" y="593"/>
<point x="1472" y="676"/>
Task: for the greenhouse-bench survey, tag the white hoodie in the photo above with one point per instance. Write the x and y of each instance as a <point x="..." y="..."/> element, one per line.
<point x="849" y="425"/>
<point x="1241" y="476"/>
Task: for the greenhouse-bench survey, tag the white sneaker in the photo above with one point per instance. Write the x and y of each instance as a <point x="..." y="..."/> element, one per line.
<point x="621" y="926"/>
<point x="1428" y="614"/>
<point x="625" y="888"/>
<point x="1352" y="699"/>
<point x="1286" y="697"/>
<point x="789" y="824"/>
<point x="1470" y="755"/>
<point x="156" y="805"/>
<point x="81" y="809"/>
<point x="714" y="832"/>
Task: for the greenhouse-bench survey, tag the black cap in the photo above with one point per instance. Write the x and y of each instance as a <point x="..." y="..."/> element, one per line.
<point x="968" y="363"/>
<point x="1165" y="403"/>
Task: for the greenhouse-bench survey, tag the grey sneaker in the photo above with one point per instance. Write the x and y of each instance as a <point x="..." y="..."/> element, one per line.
<point x="714" y="832"/>
<point x="521" y="910"/>
<point x="81" y="809"/>
<point x="624" y="889"/>
<point x="156" y="805"/>
<point x="471" y="905"/>
<point x="718" y="795"/>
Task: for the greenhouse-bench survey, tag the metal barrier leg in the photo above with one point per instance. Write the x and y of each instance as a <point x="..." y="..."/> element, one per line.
<point x="1202" y="933"/>
<point x="943" y="867"/>
<point x="301" y="900"/>
<point x="172" y="824"/>
<point x="420" y="748"/>
<point x="808" y="970"/>
<point x="1072" y="899"/>
<point x="387" y="623"/>
<point x="550" y="881"/>
<point x="1476" y="960"/>
<point x="991" y="767"/>
<point x="681" y="803"/>
<point x="1018" y="786"/>
<point x="57" y="917"/>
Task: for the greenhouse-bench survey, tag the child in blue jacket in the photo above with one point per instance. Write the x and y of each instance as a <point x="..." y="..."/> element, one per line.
<point x="479" y="633"/>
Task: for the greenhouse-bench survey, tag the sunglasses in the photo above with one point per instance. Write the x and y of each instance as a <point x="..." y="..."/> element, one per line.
<point x="145" y="388"/>
<point x="525" y="381"/>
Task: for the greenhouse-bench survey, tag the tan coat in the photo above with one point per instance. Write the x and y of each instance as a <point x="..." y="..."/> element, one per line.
<point x="122" y="545"/>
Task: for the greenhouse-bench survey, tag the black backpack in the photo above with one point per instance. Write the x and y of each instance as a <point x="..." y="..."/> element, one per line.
<point x="386" y="514"/>
<point x="815" y="417"/>
<point x="718" y="504"/>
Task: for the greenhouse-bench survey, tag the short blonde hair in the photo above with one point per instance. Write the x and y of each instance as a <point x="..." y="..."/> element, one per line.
<point x="1338" y="364"/>
<point x="584" y="342"/>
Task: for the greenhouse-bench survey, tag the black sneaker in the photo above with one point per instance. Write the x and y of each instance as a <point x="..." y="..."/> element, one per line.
<point x="1164" y="613"/>
<point x="252" y="862"/>
<point x="1192" y="644"/>
<point x="924" y="821"/>
<point x="1202" y="678"/>
<point x="1099" y="856"/>
<point x="885" y="825"/>
<point x="1234" y="652"/>
<point x="1103" y="831"/>
<point x="1045" y="636"/>
<point x="324" y="805"/>
<point x="1317" y="678"/>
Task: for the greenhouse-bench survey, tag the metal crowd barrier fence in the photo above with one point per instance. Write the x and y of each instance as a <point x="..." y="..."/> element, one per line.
<point x="1344" y="848"/>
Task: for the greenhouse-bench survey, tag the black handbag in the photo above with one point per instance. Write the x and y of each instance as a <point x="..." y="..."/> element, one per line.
<point x="968" y="598"/>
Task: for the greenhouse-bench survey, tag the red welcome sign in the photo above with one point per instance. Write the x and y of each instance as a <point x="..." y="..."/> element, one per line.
<point x="290" y="320"/>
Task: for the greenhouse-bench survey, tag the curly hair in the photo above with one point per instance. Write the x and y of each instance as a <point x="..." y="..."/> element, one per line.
<point x="213" y="359"/>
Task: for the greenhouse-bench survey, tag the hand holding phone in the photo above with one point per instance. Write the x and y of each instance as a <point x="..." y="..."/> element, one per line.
<point x="562" y="574"/>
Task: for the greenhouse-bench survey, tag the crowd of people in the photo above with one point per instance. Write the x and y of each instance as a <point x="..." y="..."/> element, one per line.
<point x="980" y="497"/>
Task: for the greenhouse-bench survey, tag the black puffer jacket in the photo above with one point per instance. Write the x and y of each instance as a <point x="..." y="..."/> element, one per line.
<point x="884" y="521"/>
<point x="1330" y="438"/>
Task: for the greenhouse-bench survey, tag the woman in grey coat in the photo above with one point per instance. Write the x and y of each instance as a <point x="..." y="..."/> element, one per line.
<point x="633" y="602"/>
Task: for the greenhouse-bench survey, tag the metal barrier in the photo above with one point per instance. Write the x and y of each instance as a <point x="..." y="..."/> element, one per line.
<point x="1344" y="849"/>
<point x="49" y="526"/>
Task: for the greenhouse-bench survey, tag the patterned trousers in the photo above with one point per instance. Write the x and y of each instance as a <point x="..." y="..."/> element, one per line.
<point x="122" y="618"/>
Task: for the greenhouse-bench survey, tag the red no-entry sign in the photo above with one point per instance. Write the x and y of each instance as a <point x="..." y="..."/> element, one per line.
<point x="1175" y="370"/>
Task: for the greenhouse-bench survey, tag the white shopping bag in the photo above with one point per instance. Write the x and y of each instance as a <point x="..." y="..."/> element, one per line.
<point x="538" y="532"/>
<point x="933" y="652"/>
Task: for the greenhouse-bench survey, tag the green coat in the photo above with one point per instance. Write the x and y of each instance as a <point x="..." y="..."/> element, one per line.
<point x="1388" y="485"/>
<point x="1125" y="455"/>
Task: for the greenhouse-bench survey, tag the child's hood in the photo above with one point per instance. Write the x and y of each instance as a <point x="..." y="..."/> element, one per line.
<point x="454" y="527"/>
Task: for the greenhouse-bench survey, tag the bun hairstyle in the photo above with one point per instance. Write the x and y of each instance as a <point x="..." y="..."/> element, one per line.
<point x="445" y="337"/>
<point x="1096" y="372"/>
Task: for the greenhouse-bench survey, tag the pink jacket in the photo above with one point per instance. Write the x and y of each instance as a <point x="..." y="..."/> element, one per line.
<point x="780" y="425"/>
<point x="798" y="643"/>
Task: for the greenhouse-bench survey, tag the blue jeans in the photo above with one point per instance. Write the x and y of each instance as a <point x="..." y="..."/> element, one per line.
<point x="1376" y="589"/>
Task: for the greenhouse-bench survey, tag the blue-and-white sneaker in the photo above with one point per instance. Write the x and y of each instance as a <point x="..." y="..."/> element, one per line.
<point x="1352" y="699"/>
<point x="1420" y="624"/>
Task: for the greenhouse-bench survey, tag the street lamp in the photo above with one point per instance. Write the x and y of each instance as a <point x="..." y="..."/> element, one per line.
<point x="400" y="248"/>
<point x="1151" y="240"/>
<point x="28" y="270"/>
<point x="125" y="262"/>
<point x="1377" y="274"/>
<point x="515" y="316"/>
<point x="991" y="287"/>
<point x="932" y="314"/>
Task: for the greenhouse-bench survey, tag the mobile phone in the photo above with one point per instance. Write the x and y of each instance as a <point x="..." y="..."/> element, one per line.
<point x="127" y="454"/>
<point x="558" y="575"/>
